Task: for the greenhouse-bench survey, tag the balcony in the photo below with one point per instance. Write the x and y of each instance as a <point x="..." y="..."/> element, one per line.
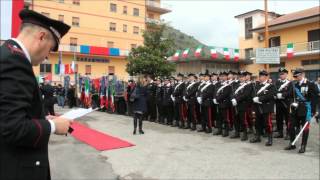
<point x="157" y="7"/>
<point x="299" y="49"/>
<point x="153" y="21"/>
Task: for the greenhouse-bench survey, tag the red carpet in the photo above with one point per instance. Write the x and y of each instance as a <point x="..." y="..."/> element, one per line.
<point x="98" y="140"/>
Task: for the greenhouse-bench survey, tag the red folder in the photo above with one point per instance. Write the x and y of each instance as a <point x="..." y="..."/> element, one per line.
<point x="96" y="139"/>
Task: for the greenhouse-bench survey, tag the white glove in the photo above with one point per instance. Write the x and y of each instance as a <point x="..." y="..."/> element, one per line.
<point x="173" y="99"/>
<point x="256" y="100"/>
<point x="295" y="105"/>
<point x="215" y="101"/>
<point x="279" y="96"/>
<point x="234" y="102"/>
<point x="184" y="98"/>
<point x="199" y="99"/>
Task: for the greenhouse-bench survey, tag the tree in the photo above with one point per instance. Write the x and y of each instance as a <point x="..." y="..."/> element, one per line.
<point x="151" y="58"/>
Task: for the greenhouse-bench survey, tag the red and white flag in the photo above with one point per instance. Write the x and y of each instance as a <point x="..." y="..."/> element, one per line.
<point x="9" y="18"/>
<point x="213" y="52"/>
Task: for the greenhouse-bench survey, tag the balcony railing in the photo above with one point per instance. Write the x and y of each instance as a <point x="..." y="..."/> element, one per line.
<point x="158" y="5"/>
<point x="299" y="49"/>
<point x="155" y="21"/>
<point x="76" y="49"/>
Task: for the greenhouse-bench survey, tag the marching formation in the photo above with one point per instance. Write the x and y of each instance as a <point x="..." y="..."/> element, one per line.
<point x="231" y="104"/>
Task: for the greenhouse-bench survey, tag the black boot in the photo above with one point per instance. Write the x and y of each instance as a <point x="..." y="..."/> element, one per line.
<point x="235" y="135"/>
<point x="134" y="132"/>
<point x="202" y="130"/>
<point x="304" y="142"/>
<point x="181" y="125"/>
<point x="290" y="147"/>
<point x="134" y="124"/>
<point x="269" y="142"/>
<point x="194" y="127"/>
<point x="287" y="137"/>
<point x="140" y="127"/>
<point x="225" y="133"/>
<point x="279" y="135"/>
<point x="209" y="130"/>
<point x="176" y="124"/>
<point x="244" y="136"/>
<point x="218" y="132"/>
<point x="255" y="139"/>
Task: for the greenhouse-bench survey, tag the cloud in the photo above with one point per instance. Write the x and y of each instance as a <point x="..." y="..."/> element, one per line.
<point x="213" y="22"/>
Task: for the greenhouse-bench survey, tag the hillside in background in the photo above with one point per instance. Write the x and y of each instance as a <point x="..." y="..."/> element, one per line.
<point x="181" y="40"/>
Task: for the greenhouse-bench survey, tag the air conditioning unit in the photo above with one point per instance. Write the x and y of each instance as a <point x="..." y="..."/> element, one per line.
<point x="260" y="37"/>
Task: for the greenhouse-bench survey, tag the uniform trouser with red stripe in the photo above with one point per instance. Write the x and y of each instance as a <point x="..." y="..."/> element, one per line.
<point x="231" y="116"/>
<point x="192" y="114"/>
<point x="207" y="120"/>
<point x="249" y="116"/>
<point x="225" y="120"/>
<point x="263" y="120"/>
<point x="177" y="112"/>
<point x="241" y="122"/>
<point x="281" y="115"/>
<point x="295" y="124"/>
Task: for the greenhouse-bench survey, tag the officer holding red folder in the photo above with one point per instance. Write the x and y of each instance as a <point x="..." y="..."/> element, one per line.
<point x="24" y="129"/>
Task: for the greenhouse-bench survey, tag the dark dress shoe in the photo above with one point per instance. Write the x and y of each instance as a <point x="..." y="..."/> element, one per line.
<point x="302" y="149"/>
<point x="235" y="135"/>
<point x="217" y="133"/>
<point x="290" y="147"/>
<point x="134" y="132"/>
<point x="255" y="139"/>
<point x="141" y="132"/>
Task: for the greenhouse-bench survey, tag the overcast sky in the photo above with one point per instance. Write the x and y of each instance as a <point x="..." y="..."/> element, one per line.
<point x="212" y="21"/>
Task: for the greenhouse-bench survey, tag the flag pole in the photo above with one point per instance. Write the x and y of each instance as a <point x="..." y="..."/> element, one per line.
<point x="266" y="31"/>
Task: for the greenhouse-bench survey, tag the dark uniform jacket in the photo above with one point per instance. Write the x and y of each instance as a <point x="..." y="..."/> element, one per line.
<point x="242" y="94"/>
<point x="309" y="91"/>
<point x="48" y="91"/>
<point x="178" y="92"/>
<point x="207" y="95"/>
<point x="201" y="84"/>
<point x="159" y="93"/>
<point x="166" y="98"/>
<point x="223" y="94"/>
<point x="24" y="131"/>
<point x="286" y="89"/>
<point x="190" y="92"/>
<point x="151" y="88"/>
<point x="266" y="97"/>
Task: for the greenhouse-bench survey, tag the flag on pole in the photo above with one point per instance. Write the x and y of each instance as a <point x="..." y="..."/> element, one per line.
<point x="176" y="55"/>
<point x="56" y="69"/>
<point x="73" y="67"/>
<point x="236" y="55"/>
<point x="67" y="68"/>
<point x="87" y="90"/>
<point x="290" y="50"/>
<point x="213" y="52"/>
<point x="62" y="70"/>
<point x="198" y="51"/>
<point x="185" y="53"/>
<point x="226" y="53"/>
<point x="9" y="18"/>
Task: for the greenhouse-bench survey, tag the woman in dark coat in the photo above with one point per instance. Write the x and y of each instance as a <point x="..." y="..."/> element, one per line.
<point x="139" y="98"/>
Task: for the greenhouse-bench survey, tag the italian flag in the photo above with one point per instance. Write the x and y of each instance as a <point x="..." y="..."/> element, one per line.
<point x="290" y="50"/>
<point x="73" y="67"/>
<point x="213" y="52"/>
<point x="198" y="51"/>
<point x="9" y="18"/>
<point x="185" y="53"/>
<point x="236" y="55"/>
<point x="176" y="55"/>
<point x="226" y="53"/>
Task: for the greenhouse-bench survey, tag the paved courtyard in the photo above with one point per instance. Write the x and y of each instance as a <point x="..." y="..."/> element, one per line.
<point x="170" y="153"/>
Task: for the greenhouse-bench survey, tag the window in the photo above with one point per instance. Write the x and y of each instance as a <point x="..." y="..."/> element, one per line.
<point x="248" y="53"/>
<point x="75" y="21"/>
<point x="310" y="62"/>
<point x="135" y="11"/>
<point x="111" y="69"/>
<point x="113" y="27"/>
<point x="45" y="68"/>
<point x="76" y="2"/>
<point x="113" y="7"/>
<point x="274" y="41"/>
<point x="133" y="46"/>
<point x="46" y="14"/>
<point x="110" y="44"/>
<point x="88" y="70"/>
<point x="61" y="1"/>
<point x="247" y="27"/>
<point x="135" y="30"/>
<point x="73" y="41"/>
<point x="61" y="18"/>
<point x="125" y="28"/>
<point x="125" y="10"/>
